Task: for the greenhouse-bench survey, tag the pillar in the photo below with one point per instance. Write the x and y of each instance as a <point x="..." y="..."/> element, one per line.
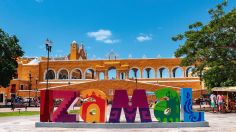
<point x="97" y="75"/>
<point x="105" y="75"/>
<point x="184" y="72"/>
<point x="156" y="73"/>
<point x="126" y="74"/>
<point x="141" y="73"/>
<point x="170" y="72"/>
<point x="117" y="75"/>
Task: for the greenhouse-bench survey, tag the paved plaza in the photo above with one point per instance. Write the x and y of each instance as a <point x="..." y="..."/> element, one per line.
<point x="217" y="121"/>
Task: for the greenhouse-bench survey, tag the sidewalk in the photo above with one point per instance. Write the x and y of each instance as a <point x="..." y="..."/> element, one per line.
<point x="22" y="109"/>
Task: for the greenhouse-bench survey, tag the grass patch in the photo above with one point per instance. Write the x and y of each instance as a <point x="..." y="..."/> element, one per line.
<point x="16" y="113"/>
<point x="28" y="113"/>
<point x="73" y="111"/>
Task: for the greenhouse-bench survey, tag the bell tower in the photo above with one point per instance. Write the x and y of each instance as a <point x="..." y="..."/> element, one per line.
<point x="77" y="52"/>
<point x="74" y="51"/>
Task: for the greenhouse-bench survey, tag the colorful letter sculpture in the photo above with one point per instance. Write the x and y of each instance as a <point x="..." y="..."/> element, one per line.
<point x="61" y="114"/>
<point x="121" y="100"/>
<point x="93" y="110"/>
<point x="186" y="107"/>
<point x="46" y="105"/>
<point x="168" y="107"/>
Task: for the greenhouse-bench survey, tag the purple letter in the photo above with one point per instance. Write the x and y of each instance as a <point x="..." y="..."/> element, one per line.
<point x="121" y="100"/>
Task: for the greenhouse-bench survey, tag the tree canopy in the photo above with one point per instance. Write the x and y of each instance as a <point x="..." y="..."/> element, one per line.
<point x="211" y="48"/>
<point x="10" y="50"/>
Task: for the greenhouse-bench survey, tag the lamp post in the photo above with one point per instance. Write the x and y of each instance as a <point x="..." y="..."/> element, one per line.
<point x="48" y="44"/>
<point x="36" y="88"/>
<point x="30" y="84"/>
<point x="136" y="79"/>
<point x="46" y="111"/>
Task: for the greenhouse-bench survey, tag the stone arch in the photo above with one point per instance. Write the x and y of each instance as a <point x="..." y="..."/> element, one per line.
<point x="76" y="74"/>
<point x="177" y="72"/>
<point x="148" y="72"/>
<point x="101" y="76"/>
<point x="89" y="73"/>
<point x="134" y="72"/>
<point x="122" y="75"/>
<point x="52" y="74"/>
<point x="63" y="73"/>
<point x="112" y="73"/>
<point x="163" y="72"/>
<point x="188" y="72"/>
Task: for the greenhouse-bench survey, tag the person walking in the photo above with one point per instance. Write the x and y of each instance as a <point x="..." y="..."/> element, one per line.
<point x="213" y="102"/>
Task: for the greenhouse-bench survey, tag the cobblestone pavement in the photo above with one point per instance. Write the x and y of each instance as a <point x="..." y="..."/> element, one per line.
<point x="217" y="121"/>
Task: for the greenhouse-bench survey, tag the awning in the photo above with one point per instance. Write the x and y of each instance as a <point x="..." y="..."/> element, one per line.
<point x="224" y="89"/>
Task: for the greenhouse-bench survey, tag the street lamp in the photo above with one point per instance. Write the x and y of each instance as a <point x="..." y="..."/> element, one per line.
<point x="48" y="44"/>
<point x="30" y="84"/>
<point x="136" y="79"/>
<point x="36" y="88"/>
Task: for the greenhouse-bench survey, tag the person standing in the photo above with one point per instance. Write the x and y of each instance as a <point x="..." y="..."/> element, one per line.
<point x="220" y="101"/>
<point x="213" y="101"/>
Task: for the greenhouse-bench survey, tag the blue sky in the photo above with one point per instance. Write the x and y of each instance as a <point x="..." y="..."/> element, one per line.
<point x="134" y="28"/>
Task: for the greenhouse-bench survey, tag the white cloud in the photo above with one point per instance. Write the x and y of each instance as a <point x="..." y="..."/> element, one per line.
<point x="158" y="56"/>
<point x="144" y="56"/>
<point x="130" y="56"/>
<point x="39" y="1"/>
<point x="102" y="35"/>
<point x="143" y="37"/>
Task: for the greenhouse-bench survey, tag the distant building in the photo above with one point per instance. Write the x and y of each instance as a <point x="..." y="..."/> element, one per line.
<point x="75" y="71"/>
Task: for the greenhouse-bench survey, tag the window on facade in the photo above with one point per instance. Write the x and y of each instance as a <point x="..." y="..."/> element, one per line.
<point x="163" y="73"/>
<point x="90" y="74"/>
<point x="148" y="73"/>
<point x="51" y="75"/>
<point x="63" y="74"/>
<point x="177" y="72"/>
<point x="1" y="98"/>
<point x="76" y="74"/>
<point x="21" y="87"/>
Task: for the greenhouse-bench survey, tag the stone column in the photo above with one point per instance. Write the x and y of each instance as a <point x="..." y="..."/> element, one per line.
<point x="105" y="75"/>
<point x="97" y="75"/>
<point x="170" y="72"/>
<point x="126" y="74"/>
<point x="156" y="73"/>
<point x="184" y="72"/>
<point x="141" y="73"/>
<point x="117" y="75"/>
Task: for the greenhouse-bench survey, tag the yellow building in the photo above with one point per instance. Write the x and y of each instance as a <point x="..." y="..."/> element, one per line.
<point x="76" y="71"/>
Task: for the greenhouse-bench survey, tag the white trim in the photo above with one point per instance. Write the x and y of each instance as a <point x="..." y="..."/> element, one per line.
<point x="29" y="90"/>
<point x="65" y="85"/>
<point x="182" y="81"/>
<point x="116" y="59"/>
<point x="172" y="81"/>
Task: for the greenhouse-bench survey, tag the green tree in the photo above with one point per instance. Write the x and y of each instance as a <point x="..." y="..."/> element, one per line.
<point x="211" y="48"/>
<point x="10" y="50"/>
